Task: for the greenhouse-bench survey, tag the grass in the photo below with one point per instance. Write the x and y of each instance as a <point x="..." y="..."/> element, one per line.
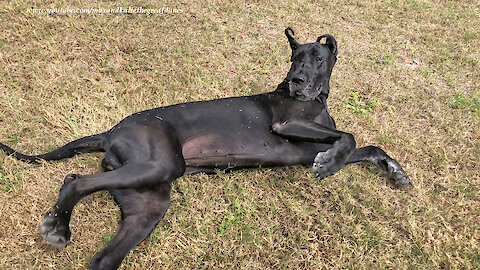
<point x="360" y="107"/>
<point x="67" y="76"/>
<point x="8" y="183"/>
<point x="459" y="101"/>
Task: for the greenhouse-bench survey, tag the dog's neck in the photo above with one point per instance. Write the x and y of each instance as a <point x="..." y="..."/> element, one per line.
<point x="283" y="86"/>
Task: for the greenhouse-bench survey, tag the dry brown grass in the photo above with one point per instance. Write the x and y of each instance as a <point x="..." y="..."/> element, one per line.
<point x="407" y="79"/>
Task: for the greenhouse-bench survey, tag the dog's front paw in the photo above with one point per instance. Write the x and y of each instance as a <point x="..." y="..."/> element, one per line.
<point x="399" y="178"/>
<point x="323" y="164"/>
<point x="397" y="175"/>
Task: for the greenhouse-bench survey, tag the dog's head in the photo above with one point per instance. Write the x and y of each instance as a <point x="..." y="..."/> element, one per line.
<point x="312" y="65"/>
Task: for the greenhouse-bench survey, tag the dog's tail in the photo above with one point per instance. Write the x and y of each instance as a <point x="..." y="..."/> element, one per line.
<point x="93" y="143"/>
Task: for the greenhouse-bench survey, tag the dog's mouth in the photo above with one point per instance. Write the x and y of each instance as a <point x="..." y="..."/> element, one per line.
<point x="302" y="92"/>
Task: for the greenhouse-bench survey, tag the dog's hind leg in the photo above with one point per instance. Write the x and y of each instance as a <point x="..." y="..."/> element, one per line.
<point x="149" y="158"/>
<point x="141" y="209"/>
<point x="54" y="228"/>
<point x="378" y="157"/>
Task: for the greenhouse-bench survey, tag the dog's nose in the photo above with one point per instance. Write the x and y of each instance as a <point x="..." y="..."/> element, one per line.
<point x="298" y="79"/>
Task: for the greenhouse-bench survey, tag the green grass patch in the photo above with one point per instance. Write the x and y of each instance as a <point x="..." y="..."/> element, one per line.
<point x="231" y="220"/>
<point x="360" y="105"/>
<point x="10" y="182"/>
<point x="106" y="239"/>
<point x="459" y="101"/>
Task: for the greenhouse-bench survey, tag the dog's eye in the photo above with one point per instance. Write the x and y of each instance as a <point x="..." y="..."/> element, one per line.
<point x="319" y="58"/>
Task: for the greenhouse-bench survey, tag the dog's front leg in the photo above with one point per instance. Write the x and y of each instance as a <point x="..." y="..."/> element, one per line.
<point x="377" y="156"/>
<point x="325" y="163"/>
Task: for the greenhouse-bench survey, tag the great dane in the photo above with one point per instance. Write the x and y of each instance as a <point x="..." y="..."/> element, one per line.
<point x="147" y="150"/>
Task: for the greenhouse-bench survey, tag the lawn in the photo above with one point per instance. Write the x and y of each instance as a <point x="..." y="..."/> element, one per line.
<point x="407" y="80"/>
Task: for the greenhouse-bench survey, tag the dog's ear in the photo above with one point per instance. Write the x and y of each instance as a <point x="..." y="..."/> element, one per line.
<point x="331" y="43"/>
<point x="293" y="43"/>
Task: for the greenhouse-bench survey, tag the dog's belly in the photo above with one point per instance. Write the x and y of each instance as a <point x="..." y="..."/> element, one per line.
<point x="224" y="151"/>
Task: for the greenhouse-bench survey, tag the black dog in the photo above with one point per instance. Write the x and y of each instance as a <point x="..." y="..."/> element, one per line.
<point x="146" y="151"/>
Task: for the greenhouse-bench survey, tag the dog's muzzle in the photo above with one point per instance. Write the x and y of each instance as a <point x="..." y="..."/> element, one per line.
<point x="300" y="91"/>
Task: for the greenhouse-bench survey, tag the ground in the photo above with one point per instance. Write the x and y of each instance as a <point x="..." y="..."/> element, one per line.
<point x="407" y="79"/>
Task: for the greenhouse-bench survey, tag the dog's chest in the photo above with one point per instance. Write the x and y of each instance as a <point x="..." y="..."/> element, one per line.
<point x="292" y="109"/>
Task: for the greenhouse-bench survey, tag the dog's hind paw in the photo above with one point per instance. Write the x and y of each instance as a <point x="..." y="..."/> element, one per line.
<point x="54" y="231"/>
